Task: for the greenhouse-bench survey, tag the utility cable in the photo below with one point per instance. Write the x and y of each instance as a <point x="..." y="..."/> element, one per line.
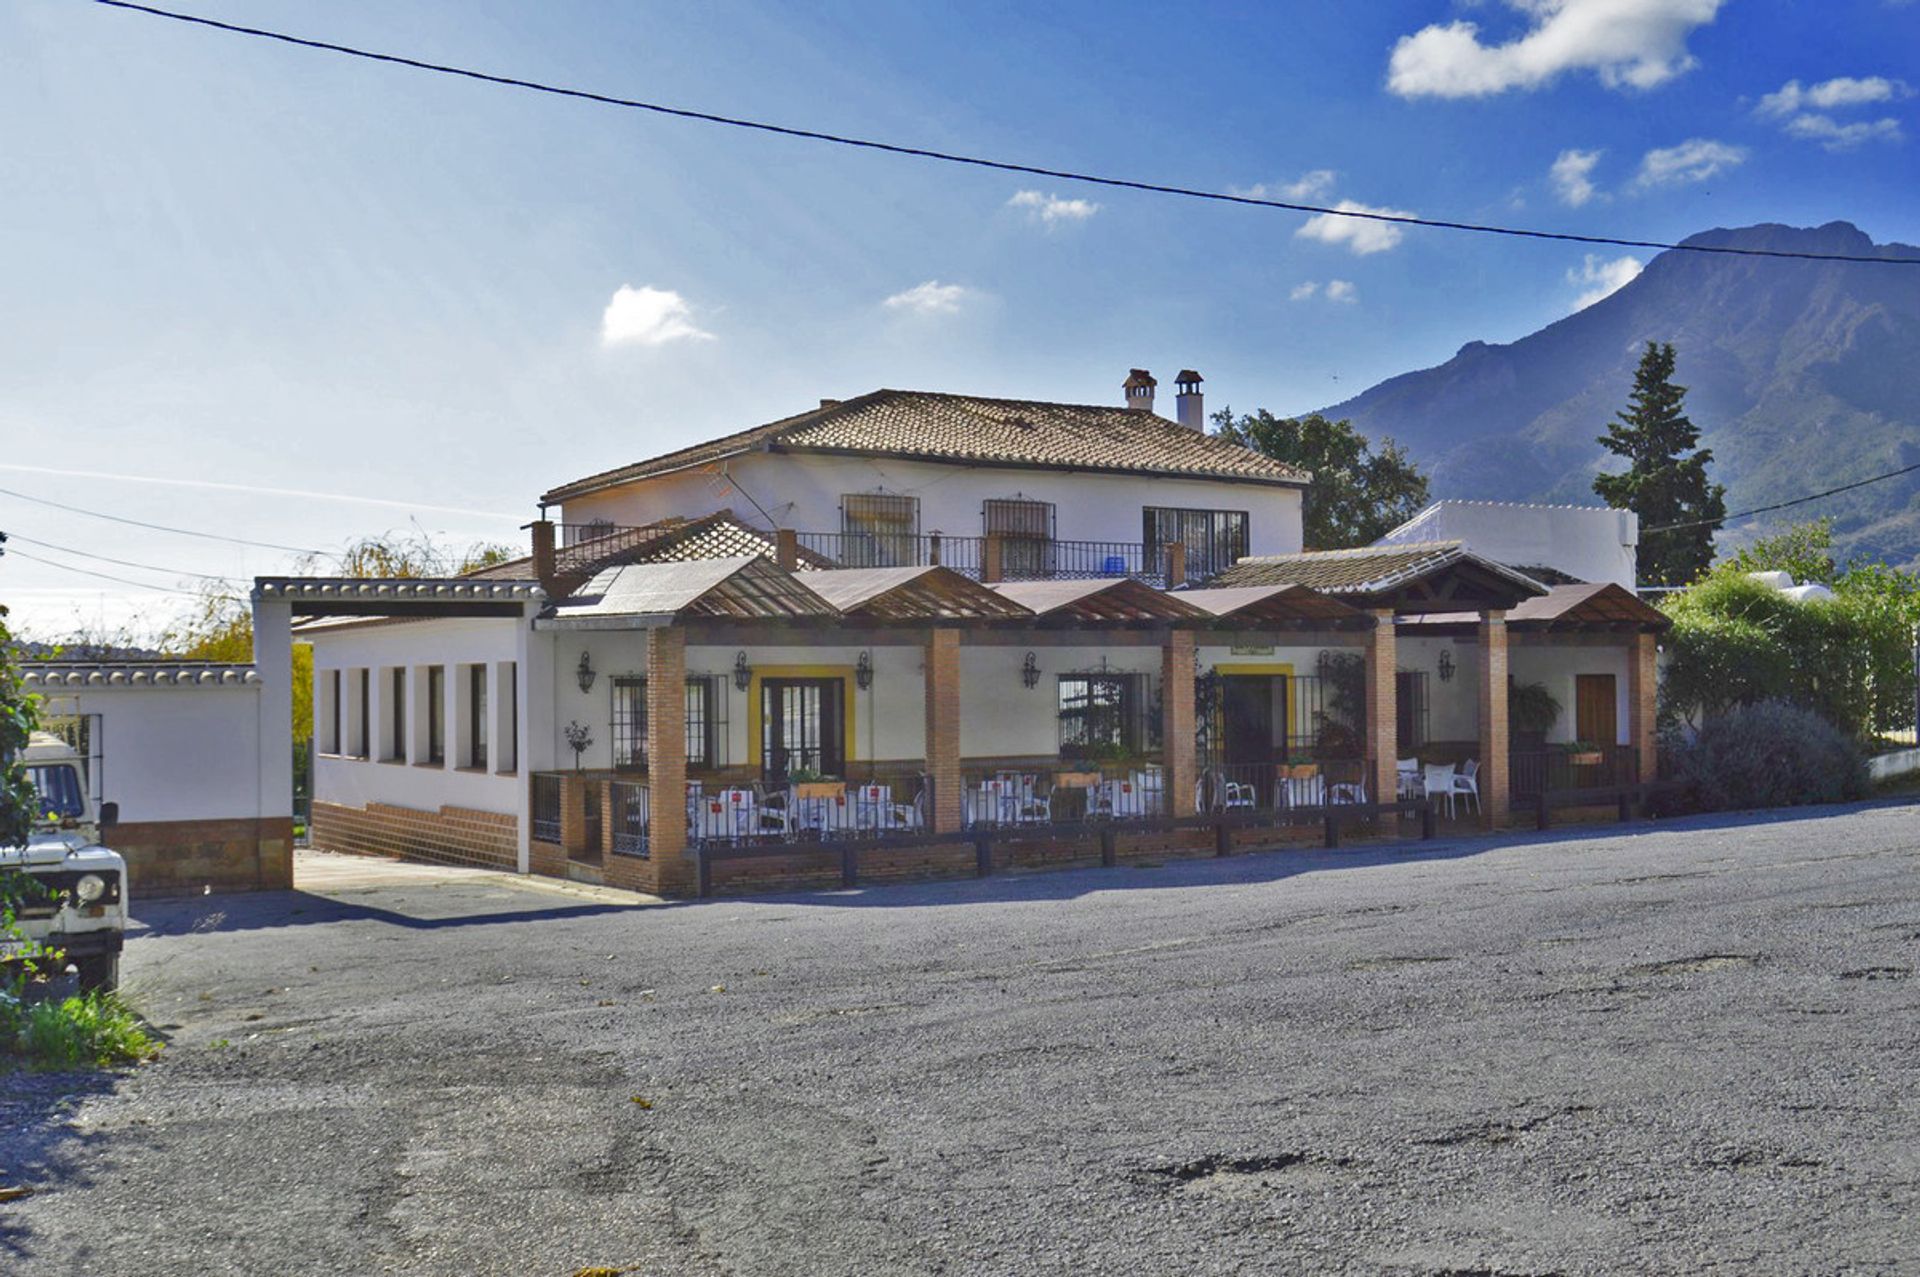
<point x="104" y="576"/>
<point x="159" y="527"/>
<point x="1782" y="505"/>
<point x="125" y="563"/>
<point x="1005" y="166"/>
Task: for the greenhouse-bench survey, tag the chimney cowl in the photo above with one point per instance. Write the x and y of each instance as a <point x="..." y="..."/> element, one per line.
<point x="1138" y="389"/>
<point x="1189" y="405"/>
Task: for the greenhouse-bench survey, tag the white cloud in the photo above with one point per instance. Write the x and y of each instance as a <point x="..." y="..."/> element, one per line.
<point x="930" y="298"/>
<point x="1836" y="136"/>
<point x="1302" y="292"/>
<point x="1694" y="160"/>
<point x="1572" y="176"/>
<point x="1342" y="290"/>
<point x="1310" y="185"/>
<point x="1827" y="95"/>
<point x="1361" y="235"/>
<point x="1051" y="210"/>
<point x="1627" y="43"/>
<point x="648" y="316"/>
<point x="1602" y="278"/>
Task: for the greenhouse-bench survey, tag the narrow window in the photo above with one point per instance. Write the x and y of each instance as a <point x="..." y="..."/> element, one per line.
<point x="363" y="739"/>
<point x="509" y="749"/>
<point x="437" y="714"/>
<point x="334" y="737"/>
<point x="399" y="693"/>
<point x="477" y="716"/>
<point x="629" y="724"/>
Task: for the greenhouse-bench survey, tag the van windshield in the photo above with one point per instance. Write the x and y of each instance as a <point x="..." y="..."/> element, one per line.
<point x="61" y="796"/>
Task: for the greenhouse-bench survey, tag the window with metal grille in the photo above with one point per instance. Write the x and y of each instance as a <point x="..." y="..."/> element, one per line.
<point x="630" y="723"/>
<point x="1102" y="714"/>
<point x="1215" y="539"/>
<point x="1411" y="713"/>
<point x="802" y="727"/>
<point x="882" y="529"/>
<point x="1026" y="530"/>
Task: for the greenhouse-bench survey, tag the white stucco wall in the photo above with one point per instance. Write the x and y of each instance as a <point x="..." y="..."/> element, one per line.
<point x="175" y="753"/>
<point x="1001" y="718"/>
<point x="804" y="492"/>
<point x="1589" y="543"/>
<point x="454" y="644"/>
<point x="1557" y="666"/>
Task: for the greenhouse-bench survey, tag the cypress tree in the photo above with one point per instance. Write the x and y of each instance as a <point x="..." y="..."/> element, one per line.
<point x="1665" y="481"/>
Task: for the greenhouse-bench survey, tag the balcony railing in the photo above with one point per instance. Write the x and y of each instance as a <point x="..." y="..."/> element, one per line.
<point x="991" y="558"/>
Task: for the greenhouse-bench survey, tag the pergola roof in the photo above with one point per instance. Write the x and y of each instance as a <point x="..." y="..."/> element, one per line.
<point x="1418" y="577"/>
<point x="1274" y="604"/>
<point x="912" y="594"/>
<point x="1605" y="604"/>
<point x="1106" y="599"/>
<point x="630" y="595"/>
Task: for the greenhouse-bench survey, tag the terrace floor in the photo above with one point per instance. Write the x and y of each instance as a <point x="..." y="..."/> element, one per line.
<point x="1651" y="1048"/>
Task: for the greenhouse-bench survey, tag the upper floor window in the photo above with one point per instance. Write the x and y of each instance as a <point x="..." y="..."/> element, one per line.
<point x="881" y="529"/>
<point x="1025" y="529"/>
<point x="1215" y="539"/>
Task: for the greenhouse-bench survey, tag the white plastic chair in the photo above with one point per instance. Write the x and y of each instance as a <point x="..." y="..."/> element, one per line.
<point x="1407" y="772"/>
<point x="1467" y="783"/>
<point x="1439" y="784"/>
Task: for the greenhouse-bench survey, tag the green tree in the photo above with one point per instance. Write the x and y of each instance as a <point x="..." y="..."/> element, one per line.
<point x="1805" y="550"/>
<point x="1665" y="481"/>
<point x="17" y="803"/>
<point x="1357" y="494"/>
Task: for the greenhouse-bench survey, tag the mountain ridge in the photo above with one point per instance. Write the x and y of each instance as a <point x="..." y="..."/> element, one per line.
<point x="1802" y="375"/>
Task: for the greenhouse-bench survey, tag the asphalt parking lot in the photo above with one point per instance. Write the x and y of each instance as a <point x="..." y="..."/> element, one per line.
<point x="1680" y="1048"/>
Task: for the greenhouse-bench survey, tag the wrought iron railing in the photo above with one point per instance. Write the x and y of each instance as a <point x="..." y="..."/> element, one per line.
<point x="631" y="810"/>
<point x="1003" y="558"/>
<point x="1563" y="769"/>
<point x="821" y="811"/>
<point x="1260" y="787"/>
<point x="546" y="807"/>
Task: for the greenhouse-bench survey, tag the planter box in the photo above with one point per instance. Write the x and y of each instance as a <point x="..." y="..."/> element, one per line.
<point x="1076" y="780"/>
<point x="819" y="789"/>
<point x="1592" y="758"/>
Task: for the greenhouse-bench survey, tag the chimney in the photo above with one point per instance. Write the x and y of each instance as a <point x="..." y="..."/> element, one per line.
<point x="543" y="557"/>
<point x="1189" y="403"/>
<point x="1138" y="388"/>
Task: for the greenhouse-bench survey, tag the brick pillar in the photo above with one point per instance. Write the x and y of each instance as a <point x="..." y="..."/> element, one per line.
<point x="786" y="549"/>
<point x="1176" y="565"/>
<point x="943" y="727"/>
<point x="1177" y="722"/>
<point x="991" y="560"/>
<point x="1493" y="778"/>
<point x="573" y="814"/>
<point x="1383" y="708"/>
<point x="1642" y="685"/>
<point x="544" y="569"/>
<point x="673" y="871"/>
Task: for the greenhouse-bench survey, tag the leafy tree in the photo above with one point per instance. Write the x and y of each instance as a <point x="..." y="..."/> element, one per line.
<point x="412" y="554"/>
<point x="17" y="720"/>
<point x="1805" y="550"/>
<point x="1665" y="482"/>
<point x="1357" y="494"/>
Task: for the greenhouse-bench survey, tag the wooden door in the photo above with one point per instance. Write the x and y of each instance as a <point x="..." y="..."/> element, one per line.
<point x="1596" y="717"/>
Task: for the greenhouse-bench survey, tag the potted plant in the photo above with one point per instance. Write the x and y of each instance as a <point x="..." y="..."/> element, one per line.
<point x="808" y="782"/>
<point x="1582" y="753"/>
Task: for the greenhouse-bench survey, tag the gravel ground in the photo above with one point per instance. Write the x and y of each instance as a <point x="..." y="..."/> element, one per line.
<point x="1686" y="1049"/>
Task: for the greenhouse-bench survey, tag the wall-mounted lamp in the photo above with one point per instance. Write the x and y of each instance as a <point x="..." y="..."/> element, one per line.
<point x="1030" y="673"/>
<point x="863" y="671"/>
<point x="742" y="672"/>
<point x="1446" y="665"/>
<point x="584" y="672"/>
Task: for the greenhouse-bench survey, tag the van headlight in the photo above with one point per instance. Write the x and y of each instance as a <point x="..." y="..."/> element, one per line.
<point x="90" y="888"/>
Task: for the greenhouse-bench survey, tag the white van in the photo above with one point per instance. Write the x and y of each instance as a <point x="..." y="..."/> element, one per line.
<point x="80" y="907"/>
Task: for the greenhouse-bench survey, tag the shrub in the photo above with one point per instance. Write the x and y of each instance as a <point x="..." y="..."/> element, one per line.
<point x="1771" y="754"/>
<point x="82" y="1031"/>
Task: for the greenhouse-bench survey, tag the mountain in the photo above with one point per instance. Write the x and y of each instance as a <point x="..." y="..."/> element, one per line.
<point x="1801" y="375"/>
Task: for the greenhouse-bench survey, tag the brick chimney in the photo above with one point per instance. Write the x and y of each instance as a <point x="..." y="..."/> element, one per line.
<point x="1189" y="403"/>
<point x="1138" y="388"/>
<point x="544" y="569"/>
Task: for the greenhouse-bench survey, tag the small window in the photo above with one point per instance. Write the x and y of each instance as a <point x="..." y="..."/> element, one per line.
<point x="881" y="529"/>
<point x="437" y="714"/>
<point x="363" y="736"/>
<point x="335" y="737"/>
<point x="398" y="687"/>
<point x="1025" y="529"/>
<point x="1215" y="539"/>
<point x="476" y="716"/>
<point x="1101" y="714"/>
<point x="509" y="747"/>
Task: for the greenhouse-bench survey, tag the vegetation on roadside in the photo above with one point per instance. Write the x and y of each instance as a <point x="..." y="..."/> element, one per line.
<point x="1771" y="754"/>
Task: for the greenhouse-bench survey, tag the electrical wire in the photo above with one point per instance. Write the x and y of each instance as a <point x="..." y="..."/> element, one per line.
<point x="125" y="563"/>
<point x="159" y="527"/>
<point x="1782" y="505"/>
<point x="1005" y="166"/>
<point x="104" y="576"/>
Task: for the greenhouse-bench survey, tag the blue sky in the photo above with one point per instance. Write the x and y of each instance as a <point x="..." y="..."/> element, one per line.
<point x="413" y="298"/>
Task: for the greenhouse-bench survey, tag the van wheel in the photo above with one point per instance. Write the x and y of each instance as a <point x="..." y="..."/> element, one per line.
<point x="101" y="974"/>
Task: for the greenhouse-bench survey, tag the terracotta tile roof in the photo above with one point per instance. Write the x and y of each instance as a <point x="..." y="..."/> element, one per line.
<point x="1105" y="599"/>
<point x="1288" y="602"/>
<point x="1372" y="569"/>
<point x="969" y="429"/>
<point x="745" y="587"/>
<point x="899" y="594"/>
<point x="720" y="535"/>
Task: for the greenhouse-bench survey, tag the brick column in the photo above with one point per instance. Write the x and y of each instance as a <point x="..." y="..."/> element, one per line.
<point x="573" y="814"/>
<point x="1642" y="686"/>
<point x="1176" y="565"/>
<point x="992" y="559"/>
<point x="1493" y="778"/>
<point x="673" y="872"/>
<point x="786" y="548"/>
<point x="1177" y="722"/>
<point x="943" y="727"/>
<point x="1383" y="708"/>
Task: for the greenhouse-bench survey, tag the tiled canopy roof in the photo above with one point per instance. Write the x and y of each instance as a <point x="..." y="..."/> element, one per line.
<point x="720" y="535"/>
<point x="1588" y="604"/>
<point x="1273" y="603"/>
<point x="747" y="588"/>
<point x="912" y="593"/>
<point x="968" y="429"/>
<point x="1374" y="569"/>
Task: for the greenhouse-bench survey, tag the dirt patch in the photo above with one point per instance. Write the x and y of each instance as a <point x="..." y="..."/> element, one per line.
<point x="1245" y="1178"/>
<point x="1505" y="1132"/>
<point x="1702" y="963"/>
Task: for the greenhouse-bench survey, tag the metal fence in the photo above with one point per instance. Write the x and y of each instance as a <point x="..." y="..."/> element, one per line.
<point x="1564" y="770"/>
<point x="807" y="813"/>
<point x="546" y="807"/>
<point x="1019" y="558"/>
<point x="631" y="808"/>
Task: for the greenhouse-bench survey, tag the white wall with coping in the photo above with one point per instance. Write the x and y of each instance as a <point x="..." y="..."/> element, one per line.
<point x="1453" y="705"/>
<point x="804" y="492"/>
<point x="1589" y="543"/>
<point x="1000" y="717"/>
<point x="1557" y="665"/>
<point x="453" y="643"/>
<point x="178" y="753"/>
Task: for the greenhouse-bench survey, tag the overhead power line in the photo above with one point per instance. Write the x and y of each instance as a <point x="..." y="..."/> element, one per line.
<point x="1005" y="166"/>
<point x="158" y="527"/>
<point x="1782" y="505"/>
<point x="104" y="576"/>
<point x="125" y="563"/>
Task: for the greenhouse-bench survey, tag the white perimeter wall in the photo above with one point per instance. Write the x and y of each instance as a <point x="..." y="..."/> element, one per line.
<point x="355" y="782"/>
<point x="804" y="492"/>
<point x="175" y="753"/>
